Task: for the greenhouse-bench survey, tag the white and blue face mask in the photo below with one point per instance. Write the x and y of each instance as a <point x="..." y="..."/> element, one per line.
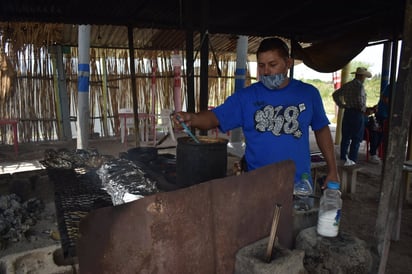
<point x="272" y="81"/>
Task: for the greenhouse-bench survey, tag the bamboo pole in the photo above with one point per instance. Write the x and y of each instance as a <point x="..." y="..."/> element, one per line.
<point x="56" y="96"/>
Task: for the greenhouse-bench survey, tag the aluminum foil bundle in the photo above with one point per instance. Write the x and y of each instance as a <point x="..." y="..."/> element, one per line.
<point x="126" y="181"/>
<point x="68" y="159"/>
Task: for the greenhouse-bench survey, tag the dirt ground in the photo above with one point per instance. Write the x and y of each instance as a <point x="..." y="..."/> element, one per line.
<point x="359" y="218"/>
<point x="358" y="214"/>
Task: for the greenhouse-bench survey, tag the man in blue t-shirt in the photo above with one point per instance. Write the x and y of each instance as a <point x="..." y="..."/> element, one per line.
<point x="275" y="115"/>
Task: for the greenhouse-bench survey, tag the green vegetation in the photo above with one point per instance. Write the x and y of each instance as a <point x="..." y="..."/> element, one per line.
<point x="372" y="87"/>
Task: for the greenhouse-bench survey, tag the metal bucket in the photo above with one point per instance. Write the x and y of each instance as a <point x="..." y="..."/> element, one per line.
<point x="200" y="162"/>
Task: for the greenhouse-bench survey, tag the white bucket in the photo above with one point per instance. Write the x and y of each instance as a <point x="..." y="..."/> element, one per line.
<point x="327" y="224"/>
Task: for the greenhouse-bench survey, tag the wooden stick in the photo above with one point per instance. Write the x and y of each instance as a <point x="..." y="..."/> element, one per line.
<point x="273" y="230"/>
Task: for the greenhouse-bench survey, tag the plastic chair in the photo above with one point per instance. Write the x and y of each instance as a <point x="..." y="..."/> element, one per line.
<point x="147" y="127"/>
<point x="126" y="123"/>
<point x="165" y="123"/>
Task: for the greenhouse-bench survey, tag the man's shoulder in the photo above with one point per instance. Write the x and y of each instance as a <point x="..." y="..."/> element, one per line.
<point x="302" y="85"/>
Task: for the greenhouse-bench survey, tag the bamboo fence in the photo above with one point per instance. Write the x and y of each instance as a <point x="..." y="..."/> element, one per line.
<point x="28" y="89"/>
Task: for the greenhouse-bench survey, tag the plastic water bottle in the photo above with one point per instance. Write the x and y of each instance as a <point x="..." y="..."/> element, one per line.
<point x="303" y="187"/>
<point x="330" y="211"/>
<point x="301" y="191"/>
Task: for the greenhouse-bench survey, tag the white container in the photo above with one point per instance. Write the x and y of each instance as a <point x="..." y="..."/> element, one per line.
<point x="330" y="211"/>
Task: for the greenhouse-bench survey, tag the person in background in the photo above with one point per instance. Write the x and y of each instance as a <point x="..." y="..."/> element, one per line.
<point x="381" y="114"/>
<point x="375" y="135"/>
<point x="275" y="115"/>
<point x="352" y="97"/>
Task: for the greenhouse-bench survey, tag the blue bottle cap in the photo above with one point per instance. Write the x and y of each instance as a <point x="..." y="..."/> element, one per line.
<point x="333" y="185"/>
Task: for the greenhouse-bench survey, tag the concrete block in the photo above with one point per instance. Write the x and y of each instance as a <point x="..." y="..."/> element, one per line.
<point x="341" y="254"/>
<point x="251" y="260"/>
<point x="36" y="261"/>
<point x="303" y="219"/>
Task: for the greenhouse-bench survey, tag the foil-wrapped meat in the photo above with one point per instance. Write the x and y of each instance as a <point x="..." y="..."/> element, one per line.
<point x="126" y="180"/>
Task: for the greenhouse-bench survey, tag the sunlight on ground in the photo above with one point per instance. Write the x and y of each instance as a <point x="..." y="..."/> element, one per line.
<point x="10" y="168"/>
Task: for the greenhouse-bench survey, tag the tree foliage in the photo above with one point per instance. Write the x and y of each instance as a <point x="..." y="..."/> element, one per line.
<point x="372" y="88"/>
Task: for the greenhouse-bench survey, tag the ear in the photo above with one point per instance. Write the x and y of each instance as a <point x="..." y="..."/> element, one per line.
<point x="289" y="62"/>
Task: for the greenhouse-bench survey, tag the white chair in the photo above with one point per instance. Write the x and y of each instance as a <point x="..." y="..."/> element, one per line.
<point x="126" y="123"/>
<point x="164" y="123"/>
<point x="146" y="124"/>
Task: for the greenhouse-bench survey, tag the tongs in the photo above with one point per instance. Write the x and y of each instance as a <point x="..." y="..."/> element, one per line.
<point x="186" y="129"/>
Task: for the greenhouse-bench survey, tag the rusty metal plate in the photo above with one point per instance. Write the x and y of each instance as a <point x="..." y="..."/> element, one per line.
<point x="197" y="229"/>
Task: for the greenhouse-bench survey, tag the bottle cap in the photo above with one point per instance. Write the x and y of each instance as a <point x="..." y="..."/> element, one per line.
<point x="333" y="185"/>
<point x="304" y="176"/>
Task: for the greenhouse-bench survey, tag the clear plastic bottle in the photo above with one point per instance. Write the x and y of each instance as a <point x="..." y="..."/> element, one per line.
<point x="303" y="187"/>
<point x="301" y="191"/>
<point x="330" y="211"/>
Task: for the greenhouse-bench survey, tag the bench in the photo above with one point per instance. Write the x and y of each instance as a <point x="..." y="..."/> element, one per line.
<point x="348" y="177"/>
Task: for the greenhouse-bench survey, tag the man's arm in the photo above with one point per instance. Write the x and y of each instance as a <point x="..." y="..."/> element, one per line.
<point x="202" y="120"/>
<point x="337" y="96"/>
<point x="325" y="143"/>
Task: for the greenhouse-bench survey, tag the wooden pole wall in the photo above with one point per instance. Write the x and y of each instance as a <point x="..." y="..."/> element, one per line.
<point x="399" y="122"/>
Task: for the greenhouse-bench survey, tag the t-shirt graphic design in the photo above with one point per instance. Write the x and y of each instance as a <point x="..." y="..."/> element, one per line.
<point x="279" y="120"/>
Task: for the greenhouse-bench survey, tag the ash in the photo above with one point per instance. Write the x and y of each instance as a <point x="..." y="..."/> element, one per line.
<point x="17" y="218"/>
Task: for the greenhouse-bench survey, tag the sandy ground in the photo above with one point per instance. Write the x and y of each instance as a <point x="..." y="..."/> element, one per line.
<point x="358" y="214"/>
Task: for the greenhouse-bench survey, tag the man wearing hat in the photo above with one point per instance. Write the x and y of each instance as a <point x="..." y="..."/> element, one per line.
<point x="352" y="97"/>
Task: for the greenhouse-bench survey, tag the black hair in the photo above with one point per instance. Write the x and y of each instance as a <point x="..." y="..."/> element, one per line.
<point x="273" y="43"/>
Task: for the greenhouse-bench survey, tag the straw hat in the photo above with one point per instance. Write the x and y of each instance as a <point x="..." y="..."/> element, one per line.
<point x="362" y="71"/>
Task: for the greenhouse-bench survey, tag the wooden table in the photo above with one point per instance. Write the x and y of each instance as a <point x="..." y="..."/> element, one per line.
<point x="13" y="123"/>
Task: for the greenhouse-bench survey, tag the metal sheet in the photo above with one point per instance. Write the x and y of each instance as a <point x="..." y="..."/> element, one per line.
<point x="197" y="229"/>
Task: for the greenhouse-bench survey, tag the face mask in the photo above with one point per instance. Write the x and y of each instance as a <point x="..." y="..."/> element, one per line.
<point x="272" y="81"/>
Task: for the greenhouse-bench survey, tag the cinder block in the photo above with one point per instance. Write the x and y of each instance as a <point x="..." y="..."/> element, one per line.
<point x="39" y="260"/>
<point x="304" y="219"/>
<point x="251" y="260"/>
<point x="344" y="253"/>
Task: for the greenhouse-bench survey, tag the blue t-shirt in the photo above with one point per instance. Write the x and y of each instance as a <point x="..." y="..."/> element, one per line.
<point x="275" y="123"/>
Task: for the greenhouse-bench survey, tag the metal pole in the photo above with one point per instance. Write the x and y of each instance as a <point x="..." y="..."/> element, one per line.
<point x="83" y="87"/>
<point x="240" y="78"/>
<point x="235" y="146"/>
<point x="134" y="89"/>
<point x="64" y="101"/>
<point x="386" y="64"/>
<point x="177" y="93"/>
